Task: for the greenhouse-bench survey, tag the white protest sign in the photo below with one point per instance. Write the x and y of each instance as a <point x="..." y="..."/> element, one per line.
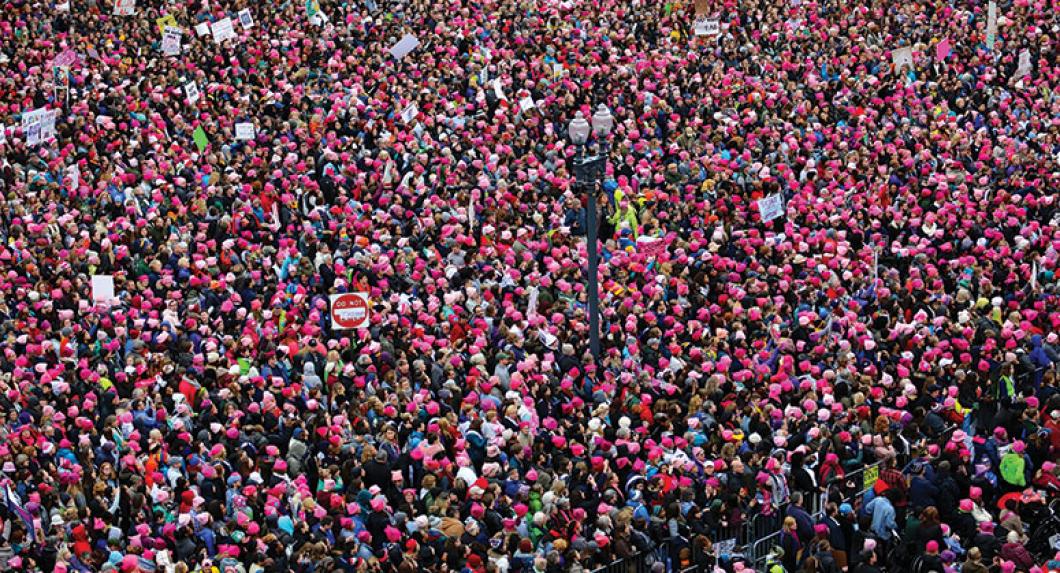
<point x="710" y="27"/>
<point x="991" y="24"/>
<point x="902" y="57"/>
<point x="73" y="177"/>
<point x="404" y="46"/>
<point x="31" y="126"/>
<point x="409" y="113"/>
<point x="771" y="207"/>
<point x="245" y="19"/>
<point x="124" y="7"/>
<point x="3" y="134"/>
<point x="191" y="90"/>
<point x="171" y="41"/>
<point x="223" y="30"/>
<point x="103" y="288"/>
<point x="527" y="104"/>
<point x="244" y="131"/>
<point x="47" y="125"/>
<point x="498" y="90"/>
<point x="1024" y="67"/>
<point x="350" y="310"/>
<point x="202" y="29"/>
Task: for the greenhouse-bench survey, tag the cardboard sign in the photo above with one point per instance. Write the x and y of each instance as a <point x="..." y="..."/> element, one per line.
<point x="103" y="288"/>
<point x="991" y="25"/>
<point x="404" y="46"/>
<point x="245" y="19"/>
<point x="771" y="207"/>
<point x="167" y="21"/>
<point x="124" y="7"/>
<point x="191" y="90"/>
<point x="171" y="41"/>
<point x="902" y="57"/>
<point x="223" y="30"/>
<point x="244" y="131"/>
<point x="350" y="310"/>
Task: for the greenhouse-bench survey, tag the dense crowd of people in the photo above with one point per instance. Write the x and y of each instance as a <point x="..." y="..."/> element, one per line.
<point x="902" y="312"/>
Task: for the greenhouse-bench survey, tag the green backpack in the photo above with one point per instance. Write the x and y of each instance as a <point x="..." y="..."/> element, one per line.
<point x="1012" y="469"/>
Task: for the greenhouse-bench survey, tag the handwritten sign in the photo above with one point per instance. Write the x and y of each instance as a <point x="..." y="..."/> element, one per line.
<point x="223" y="30"/>
<point x="1024" y="67"/>
<point x="167" y="21"/>
<point x="409" y="113"/>
<point x="202" y="29"/>
<point x="771" y="207"/>
<point x="191" y="90"/>
<point x="706" y="27"/>
<point x="244" y="131"/>
<point x="124" y="7"/>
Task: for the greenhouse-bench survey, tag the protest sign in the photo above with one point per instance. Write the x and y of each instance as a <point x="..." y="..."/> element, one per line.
<point x="31" y="126"/>
<point x="245" y="19"/>
<point x="527" y="103"/>
<point x="404" y="46"/>
<point x="202" y="29"/>
<point x="706" y="27"/>
<point x="73" y="177"/>
<point x="942" y="49"/>
<point x="191" y="90"/>
<point x="166" y="21"/>
<point x="201" y="141"/>
<point x="244" y="131"/>
<point x="409" y="113"/>
<point x="771" y="207"/>
<point x="902" y="57"/>
<point x="223" y="30"/>
<point x="498" y="90"/>
<point x="103" y="288"/>
<point x="350" y="310"/>
<point x="67" y="57"/>
<point x="991" y="25"/>
<point x="171" y="41"/>
<point x="1024" y="67"/>
<point x="124" y="7"/>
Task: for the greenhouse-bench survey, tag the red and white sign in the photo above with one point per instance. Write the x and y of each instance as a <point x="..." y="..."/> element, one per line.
<point x="350" y="310"/>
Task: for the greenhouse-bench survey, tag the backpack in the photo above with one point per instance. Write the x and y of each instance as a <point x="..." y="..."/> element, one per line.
<point x="1012" y="465"/>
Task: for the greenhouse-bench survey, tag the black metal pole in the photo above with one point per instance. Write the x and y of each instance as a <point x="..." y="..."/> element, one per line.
<point x="594" y="289"/>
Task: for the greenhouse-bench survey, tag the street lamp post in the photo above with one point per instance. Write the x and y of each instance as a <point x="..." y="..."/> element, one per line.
<point x="589" y="172"/>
